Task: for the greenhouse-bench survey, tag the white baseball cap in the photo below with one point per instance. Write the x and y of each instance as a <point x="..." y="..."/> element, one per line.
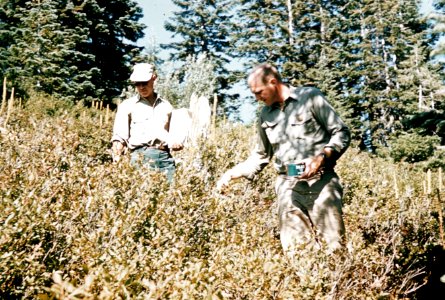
<point x="142" y="72"/>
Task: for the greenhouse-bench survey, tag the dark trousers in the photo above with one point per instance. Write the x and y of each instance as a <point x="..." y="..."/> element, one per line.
<point x="155" y="159"/>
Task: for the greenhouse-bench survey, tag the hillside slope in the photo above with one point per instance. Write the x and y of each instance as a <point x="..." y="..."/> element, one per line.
<point x="76" y="225"/>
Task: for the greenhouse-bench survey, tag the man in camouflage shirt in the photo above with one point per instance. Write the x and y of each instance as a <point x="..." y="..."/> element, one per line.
<point x="298" y="126"/>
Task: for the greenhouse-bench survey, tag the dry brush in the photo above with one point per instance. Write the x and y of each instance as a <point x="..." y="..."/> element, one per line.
<point x="75" y="225"/>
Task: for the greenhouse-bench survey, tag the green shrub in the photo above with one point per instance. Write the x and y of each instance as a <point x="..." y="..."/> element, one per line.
<point x="412" y="147"/>
<point x="436" y="161"/>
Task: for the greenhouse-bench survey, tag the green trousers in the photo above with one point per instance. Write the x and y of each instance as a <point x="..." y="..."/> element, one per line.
<point x="310" y="210"/>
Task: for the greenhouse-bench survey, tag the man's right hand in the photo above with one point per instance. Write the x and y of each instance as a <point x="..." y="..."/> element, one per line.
<point x="224" y="181"/>
<point x="116" y="150"/>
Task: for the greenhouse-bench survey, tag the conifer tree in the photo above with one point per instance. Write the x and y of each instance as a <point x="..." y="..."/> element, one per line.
<point x="44" y="57"/>
<point x="260" y="31"/>
<point x="75" y="49"/>
<point x="8" y="22"/>
<point x="400" y="75"/>
<point x="201" y="26"/>
<point x="112" y="26"/>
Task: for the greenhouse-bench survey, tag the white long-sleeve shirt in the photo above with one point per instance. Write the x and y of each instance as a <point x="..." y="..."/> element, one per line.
<point x="138" y="123"/>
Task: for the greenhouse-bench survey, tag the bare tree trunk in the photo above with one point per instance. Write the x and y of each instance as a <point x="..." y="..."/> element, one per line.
<point x="421" y="101"/>
<point x="290" y="22"/>
<point x="322" y="34"/>
<point x="420" y="97"/>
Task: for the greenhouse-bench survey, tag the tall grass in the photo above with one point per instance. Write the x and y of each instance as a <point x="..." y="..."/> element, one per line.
<point x="75" y="225"/>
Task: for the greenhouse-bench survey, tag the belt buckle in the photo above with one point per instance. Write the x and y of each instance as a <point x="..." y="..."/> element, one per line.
<point x="162" y="147"/>
<point x="158" y="147"/>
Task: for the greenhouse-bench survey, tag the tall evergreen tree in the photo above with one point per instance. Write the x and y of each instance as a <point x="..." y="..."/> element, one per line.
<point x="400" y="46"/>
<point x="260" y="31"/>
<point x="8" y="22"/>
<point x="73" y="49"/>
<point x="44" y="56"/>
<point x="112" y="24"/>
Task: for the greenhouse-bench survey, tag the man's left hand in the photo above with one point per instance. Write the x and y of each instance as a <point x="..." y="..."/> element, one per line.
<point x="177" y="147"/>
<point x="313" y="166"/>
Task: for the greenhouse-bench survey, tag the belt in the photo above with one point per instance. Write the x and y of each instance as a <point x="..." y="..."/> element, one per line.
<point x="157" y="147"/>
<point x="321" y="171"/>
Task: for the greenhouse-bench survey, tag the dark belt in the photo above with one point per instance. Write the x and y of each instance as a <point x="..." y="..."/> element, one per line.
<point x="323" y="170"/>
<point x="157" y="147"/>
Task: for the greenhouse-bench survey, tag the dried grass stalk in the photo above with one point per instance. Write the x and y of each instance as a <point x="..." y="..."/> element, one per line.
<point x="2" y="109"/>
<point x="215" y="104"/>
<point x="396" y="188"/>
<point x="428" y="174"/>
<point x="10" y="106"/>
<point x="439" y="208"/>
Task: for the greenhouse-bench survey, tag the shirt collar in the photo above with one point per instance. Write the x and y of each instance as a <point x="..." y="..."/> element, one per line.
<point x="293" y="93"/>
<point x="156" y="101"/>
<point x="292" y="96"/>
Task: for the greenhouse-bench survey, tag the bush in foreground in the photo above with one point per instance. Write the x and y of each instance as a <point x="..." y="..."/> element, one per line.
<point x="76" y="226"/>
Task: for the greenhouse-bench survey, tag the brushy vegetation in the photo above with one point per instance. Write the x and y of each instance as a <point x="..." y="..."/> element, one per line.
<point x="76" y="226"/>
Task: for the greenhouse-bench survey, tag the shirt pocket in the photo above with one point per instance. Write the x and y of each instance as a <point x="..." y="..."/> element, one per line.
<point x="140" y="127"/>
<point x="141" y="114"/>
<point x="302" y="125"/>
<point x="272" y="131"/>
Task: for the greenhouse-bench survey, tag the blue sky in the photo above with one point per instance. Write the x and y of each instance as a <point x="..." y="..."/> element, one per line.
<point x="156" y="12"/>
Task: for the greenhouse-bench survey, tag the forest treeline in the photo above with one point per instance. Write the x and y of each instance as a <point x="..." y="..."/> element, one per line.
<point x="377" y="61"/>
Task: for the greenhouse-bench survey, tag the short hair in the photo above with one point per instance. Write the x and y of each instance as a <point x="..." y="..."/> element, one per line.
<point x="265" y="71"/>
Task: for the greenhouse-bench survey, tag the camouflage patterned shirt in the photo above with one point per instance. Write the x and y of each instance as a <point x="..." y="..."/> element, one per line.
<point x="302" y="128"/>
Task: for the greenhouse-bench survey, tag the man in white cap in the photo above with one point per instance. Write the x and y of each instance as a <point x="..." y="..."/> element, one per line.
<point x="142" y="125"/>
